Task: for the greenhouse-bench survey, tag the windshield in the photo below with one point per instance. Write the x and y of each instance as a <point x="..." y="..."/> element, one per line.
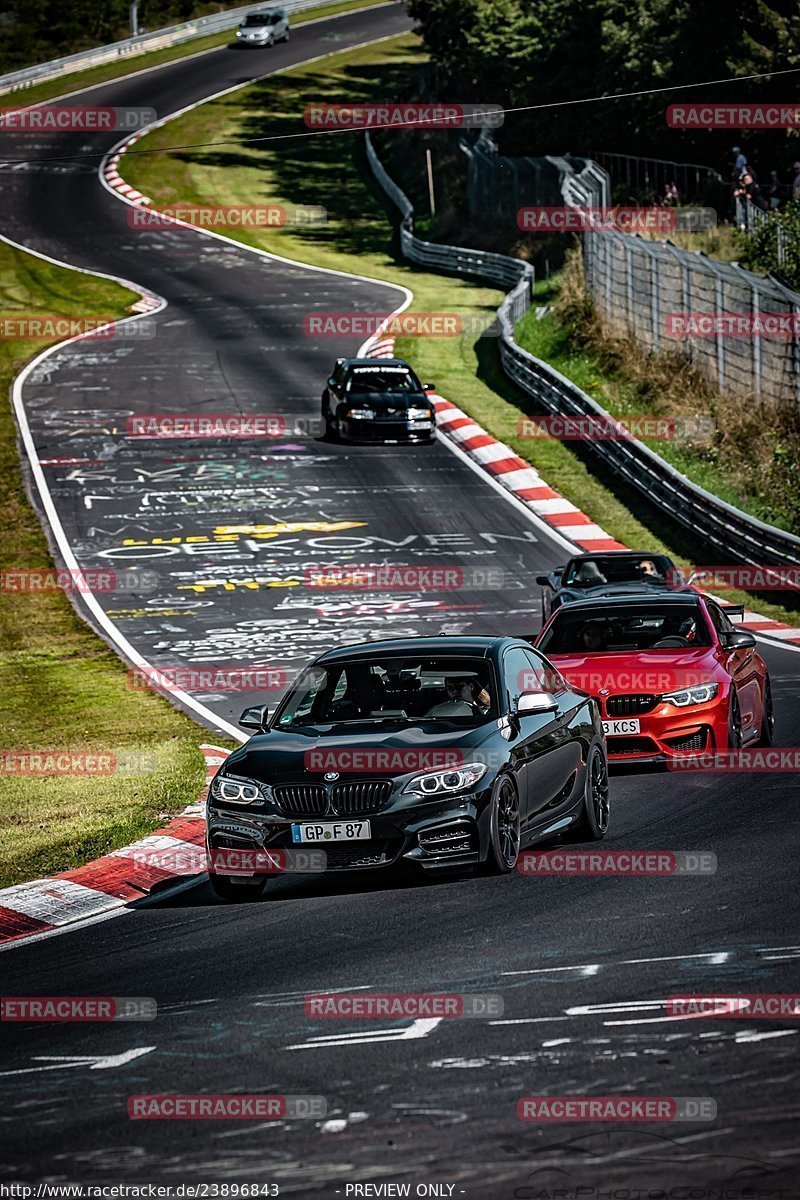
<point x="391" y="690"/>
<point x="607" y="568"/>
<point x="382" y="379"/>
<point x="260" y="19"/>
<point x="625" y="628"/>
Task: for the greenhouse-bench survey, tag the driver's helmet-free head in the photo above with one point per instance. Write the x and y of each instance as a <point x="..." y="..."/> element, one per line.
<point x="592" y="635"/>
<point x="589" y="572"/>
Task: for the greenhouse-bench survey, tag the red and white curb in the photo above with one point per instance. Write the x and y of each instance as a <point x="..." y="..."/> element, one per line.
<point x="526" y="484"/>
<point x="113" y="178"/>
<point x="110" y="882"/>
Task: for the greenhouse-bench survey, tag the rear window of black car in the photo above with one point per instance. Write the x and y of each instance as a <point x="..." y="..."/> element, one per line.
<point x="606" y="629"/>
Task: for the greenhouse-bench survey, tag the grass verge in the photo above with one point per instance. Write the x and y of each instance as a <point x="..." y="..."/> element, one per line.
<point x="61" y="688"/>
<point x="331" y="171"/>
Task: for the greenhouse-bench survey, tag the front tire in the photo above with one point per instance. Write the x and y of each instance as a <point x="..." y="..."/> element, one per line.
<point x="504" y="828"/>
<point x="734" y="722"/>
<point x="592" y="823"/>
<point x="235" y="891"/>
<point x="767" y="735"/>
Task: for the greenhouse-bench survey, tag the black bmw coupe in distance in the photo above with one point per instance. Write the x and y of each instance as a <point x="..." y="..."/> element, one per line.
<point x="377" y="400"/>
<point x="446" y="752"/>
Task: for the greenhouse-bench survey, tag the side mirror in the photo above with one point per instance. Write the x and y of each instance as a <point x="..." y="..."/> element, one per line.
<point x="536" y="702"/>
<point x="255" y="717"/>
<point x="429" y="387"/>
<point x="736" y="639"/>
<point x="331" y="381"/>
<point x="544" y="581"/>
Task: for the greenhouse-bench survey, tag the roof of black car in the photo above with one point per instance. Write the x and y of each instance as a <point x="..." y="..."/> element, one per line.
<point x="685" y="598"/>
<point x="478" y="646"/>
<point x="375" y="362"/>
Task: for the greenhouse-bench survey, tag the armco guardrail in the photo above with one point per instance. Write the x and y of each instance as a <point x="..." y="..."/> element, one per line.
<point x="737" y="536"/>
<point x="157" y="40"/>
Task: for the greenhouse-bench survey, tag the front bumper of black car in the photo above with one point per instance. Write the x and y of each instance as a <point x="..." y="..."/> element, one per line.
<point x="436" y="834"/>
<point x="386" y="429"/>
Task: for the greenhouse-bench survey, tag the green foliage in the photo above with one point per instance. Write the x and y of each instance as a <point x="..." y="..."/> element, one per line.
<point x="540" y="52"/>
<point x="36" y="32"/>
<point x="760" y="248"/>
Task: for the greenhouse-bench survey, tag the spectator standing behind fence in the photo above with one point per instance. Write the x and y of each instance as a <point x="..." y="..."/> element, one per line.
<point x="776" y="192"/>
<point x="796" y="181"/>
<point x="750" y="189"/>
<point x="739" y="163"/>
<point x="672" y="196"/>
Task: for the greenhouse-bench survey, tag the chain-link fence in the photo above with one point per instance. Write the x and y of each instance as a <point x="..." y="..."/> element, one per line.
<point x="715" y="313"/>
<point x="499" y="186"/>
<point x="738" y="329"/>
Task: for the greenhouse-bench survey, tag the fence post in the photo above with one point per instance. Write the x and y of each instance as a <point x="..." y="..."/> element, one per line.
<point x="655" y="298"/>
<point x="720" y="335"/>
<point x="755" y="309"/>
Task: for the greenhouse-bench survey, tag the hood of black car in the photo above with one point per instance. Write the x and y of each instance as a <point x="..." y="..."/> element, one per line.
<point x="356" y="750"/>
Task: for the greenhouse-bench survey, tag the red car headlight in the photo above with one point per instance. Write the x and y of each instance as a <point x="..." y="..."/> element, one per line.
<point x="683" y="697"/>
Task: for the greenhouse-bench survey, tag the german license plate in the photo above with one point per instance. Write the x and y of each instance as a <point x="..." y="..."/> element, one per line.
<point x="332" y="831"/>
<point x="617" y="728"/>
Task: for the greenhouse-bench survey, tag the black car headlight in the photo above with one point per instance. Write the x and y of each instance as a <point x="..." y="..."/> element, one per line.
<point x="232" y="789"/>
<point x="419" y="414"/>
<point x="683" y="697"/>
<point x="360" y="414"/>
<point x="445" y="783"/>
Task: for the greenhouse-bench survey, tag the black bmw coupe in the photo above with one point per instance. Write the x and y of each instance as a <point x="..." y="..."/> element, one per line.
<point x="446" y="752"/>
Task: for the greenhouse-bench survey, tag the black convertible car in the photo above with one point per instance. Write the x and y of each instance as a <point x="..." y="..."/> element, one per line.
<point x="377" y="400"/>
<point x="445" y="752"/>
<point x="613" y="573"/>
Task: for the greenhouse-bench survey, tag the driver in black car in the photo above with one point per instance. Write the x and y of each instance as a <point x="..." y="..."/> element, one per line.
<point x="465" y="698"/>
